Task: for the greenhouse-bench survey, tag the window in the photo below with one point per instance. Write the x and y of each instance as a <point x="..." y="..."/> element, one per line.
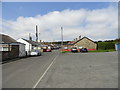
<point x="1" y="49"/>
<point x="4" y="49"/>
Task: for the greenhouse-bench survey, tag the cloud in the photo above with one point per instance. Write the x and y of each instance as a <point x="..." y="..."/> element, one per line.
<point x="97" y="24"/>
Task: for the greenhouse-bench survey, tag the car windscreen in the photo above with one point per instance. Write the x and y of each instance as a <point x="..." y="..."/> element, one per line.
<point x="74" y="48"/>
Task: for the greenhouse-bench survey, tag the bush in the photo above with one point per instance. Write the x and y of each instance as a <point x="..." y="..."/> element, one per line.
<point x="106" y="45"/>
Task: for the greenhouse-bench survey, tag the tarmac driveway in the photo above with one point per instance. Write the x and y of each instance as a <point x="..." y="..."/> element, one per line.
<point x="82" y="70"/>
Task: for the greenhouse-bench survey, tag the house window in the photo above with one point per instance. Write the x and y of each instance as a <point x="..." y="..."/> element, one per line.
<point x="4" y="49"/>
<point x="0" y="48"/>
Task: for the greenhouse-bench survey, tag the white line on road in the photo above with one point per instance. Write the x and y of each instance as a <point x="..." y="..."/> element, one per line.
<point x="45" y="72"/>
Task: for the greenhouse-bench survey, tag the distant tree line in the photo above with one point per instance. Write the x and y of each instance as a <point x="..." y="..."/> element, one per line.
<point x="57" y="43"/>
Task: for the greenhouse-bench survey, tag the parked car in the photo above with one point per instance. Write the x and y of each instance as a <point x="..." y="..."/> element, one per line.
<point x="35" y="53"/>
<point x="56" y="47"/>
<point x="48" y="50"/>
<point x="65" y="49"/>
<point x="44" y="47"/>
<point x="74" y="49"/>
<point x="83" y="50"/>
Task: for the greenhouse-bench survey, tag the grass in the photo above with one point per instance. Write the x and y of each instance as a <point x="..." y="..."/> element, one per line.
<point x="65" y="51"/>
<point x="109" y="50"/>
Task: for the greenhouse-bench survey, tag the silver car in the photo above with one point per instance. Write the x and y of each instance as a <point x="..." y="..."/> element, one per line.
<point x="35" y="53"/>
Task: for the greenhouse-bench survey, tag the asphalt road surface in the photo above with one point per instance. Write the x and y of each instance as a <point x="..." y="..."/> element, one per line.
<point x="58" y="70"/>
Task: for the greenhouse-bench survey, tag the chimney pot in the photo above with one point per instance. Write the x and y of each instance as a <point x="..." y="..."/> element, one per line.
<point x="80" y="37"/>
<point x="76" y="39"/>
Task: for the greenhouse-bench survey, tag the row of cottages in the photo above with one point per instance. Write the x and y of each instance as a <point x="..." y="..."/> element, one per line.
<point x="29" y="45"/>
<point x="83" y="43"/>
<point x="10" y="48"/>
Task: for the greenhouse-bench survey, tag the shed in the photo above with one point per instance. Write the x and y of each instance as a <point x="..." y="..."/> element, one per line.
<point x="29" y="45"/>
<point x="22" y="52"/>
<point x="117" y="46"/>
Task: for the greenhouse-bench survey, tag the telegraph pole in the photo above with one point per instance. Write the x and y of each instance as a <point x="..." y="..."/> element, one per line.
<point x="29" y="43"/>
<point x="39" y="37"/>
<point x="62" y="36"/>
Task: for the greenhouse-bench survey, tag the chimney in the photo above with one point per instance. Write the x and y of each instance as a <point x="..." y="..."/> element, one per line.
<point x="30" y="38"/>
<point x="76" y="39"/>
<point x="80" y="37"/>
<point x="40" y="41"/>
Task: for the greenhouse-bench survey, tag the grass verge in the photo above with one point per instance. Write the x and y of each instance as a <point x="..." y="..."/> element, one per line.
<point x="109" y="50"/>
<point x="65" y="51"/>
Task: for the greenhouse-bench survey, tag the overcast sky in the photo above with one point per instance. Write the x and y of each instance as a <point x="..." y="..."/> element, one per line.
<point x="97" y="21"/>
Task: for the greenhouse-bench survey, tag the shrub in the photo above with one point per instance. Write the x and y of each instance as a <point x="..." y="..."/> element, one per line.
<point x="106" y="45"/>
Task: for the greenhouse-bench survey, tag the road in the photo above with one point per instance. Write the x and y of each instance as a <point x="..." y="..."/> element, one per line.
<point x="69" y="70"/>
<point x="24" y="73"/>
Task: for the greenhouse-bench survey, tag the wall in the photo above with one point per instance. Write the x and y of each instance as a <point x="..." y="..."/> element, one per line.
<point x="27" y="45"/>
<point x="86" y="44"/>
<point x="13" y="53"/>
<point x="22" y="51"/>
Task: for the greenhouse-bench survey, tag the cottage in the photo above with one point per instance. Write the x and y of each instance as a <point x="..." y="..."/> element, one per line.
<point x="83" y="42"/>
<point x="29" y="45"/>
<point x="10" y="48"/>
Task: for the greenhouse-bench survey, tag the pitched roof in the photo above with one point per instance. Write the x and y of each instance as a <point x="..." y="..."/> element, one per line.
<point x="6" y="39"/>
<point x="31" y="42"/>
<point x="80" y="40"/>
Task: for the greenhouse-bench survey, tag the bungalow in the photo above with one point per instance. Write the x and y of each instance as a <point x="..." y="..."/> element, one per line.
<point x="10" y="48"/>
<point x="83" y="42"/>
<point x="29" y="45"/>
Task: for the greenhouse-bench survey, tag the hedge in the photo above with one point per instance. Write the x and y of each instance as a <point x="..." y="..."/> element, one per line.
<point x="106" y="45"/>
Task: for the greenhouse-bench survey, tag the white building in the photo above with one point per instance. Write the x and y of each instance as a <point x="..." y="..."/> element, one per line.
<point x="29" y="45"/>
<point x="22" y="52"/>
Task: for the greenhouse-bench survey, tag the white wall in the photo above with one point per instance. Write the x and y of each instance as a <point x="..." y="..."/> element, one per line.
<point x="22" y="51"/>
<point x="27" y="45"/>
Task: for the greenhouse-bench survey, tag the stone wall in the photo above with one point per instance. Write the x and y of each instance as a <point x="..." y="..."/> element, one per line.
<point x="86" y="43"/>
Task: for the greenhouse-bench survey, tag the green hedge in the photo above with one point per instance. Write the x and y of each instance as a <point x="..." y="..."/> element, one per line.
<point x="106" y="45"/>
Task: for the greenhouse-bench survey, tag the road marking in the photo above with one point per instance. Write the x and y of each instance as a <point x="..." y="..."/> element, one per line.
<point x="45" y="72"/>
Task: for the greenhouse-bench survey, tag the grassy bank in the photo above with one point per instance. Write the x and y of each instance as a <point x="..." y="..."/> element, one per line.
<point x="65" y="51"/>
<point x="109" y="50"/>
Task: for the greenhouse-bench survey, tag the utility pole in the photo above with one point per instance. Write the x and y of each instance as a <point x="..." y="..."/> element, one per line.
<point x="39" y="37"/>
<point x="62" y="36"/>
<point x="29" y="43"/>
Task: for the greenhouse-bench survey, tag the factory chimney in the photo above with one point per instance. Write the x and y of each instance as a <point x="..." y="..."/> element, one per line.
<point x="36" y="33"/>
